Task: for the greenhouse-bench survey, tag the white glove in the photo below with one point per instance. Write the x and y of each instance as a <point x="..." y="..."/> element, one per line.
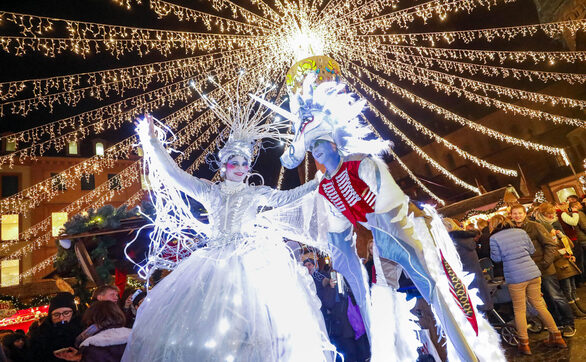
<point x="319" y="176"/>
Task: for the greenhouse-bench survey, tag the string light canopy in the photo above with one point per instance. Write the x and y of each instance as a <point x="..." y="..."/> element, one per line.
<point x="414" y="61"/>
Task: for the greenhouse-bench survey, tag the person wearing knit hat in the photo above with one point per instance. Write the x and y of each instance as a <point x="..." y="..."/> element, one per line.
<point x="58" y="330"/>
<point x="62" y="304"/>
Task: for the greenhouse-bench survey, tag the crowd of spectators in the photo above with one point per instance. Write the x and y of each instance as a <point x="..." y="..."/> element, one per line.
<point x="540" y="253"/>
<point x="98" y="334"/>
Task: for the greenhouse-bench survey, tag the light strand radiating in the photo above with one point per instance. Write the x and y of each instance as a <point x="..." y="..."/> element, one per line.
<point x="381" y="55"/>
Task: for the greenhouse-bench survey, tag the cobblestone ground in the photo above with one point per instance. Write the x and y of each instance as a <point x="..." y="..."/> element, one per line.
<point x="575" y="352"/>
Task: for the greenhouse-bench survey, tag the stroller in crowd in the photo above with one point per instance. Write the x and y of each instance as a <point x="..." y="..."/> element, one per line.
<point x="502" y="305"/>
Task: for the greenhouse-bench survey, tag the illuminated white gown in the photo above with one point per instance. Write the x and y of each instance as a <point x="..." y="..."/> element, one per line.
<point x="243" y="297"/>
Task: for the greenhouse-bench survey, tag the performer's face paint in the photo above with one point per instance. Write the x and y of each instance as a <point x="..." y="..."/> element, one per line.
<point x="237" y="168"/>
<point x="325" y="152"/>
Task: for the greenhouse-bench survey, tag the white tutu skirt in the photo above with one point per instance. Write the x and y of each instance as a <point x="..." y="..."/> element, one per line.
<point x="247" y="300"/>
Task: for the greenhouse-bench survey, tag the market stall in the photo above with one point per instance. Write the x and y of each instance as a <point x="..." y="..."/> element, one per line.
<point x="485" y="204"/>
<point x="23" y="319"/>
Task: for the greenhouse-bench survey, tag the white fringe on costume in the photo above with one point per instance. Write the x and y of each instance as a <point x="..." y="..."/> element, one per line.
<point x="393" y="326"/>
<point x="486" y="345"/>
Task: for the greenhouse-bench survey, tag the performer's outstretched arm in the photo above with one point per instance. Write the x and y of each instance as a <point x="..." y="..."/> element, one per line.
<point x="160" y="158"/>
<point x="276" y="198"/>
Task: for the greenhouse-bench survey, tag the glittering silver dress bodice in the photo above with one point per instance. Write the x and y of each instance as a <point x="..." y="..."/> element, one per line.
<point x="232" y="206"/>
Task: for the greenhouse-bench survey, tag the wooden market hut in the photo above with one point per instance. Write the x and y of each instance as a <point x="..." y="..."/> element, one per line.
<point x="485" y="203"/>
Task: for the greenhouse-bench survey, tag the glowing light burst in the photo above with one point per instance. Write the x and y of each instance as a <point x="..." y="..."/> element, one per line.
<point x="305" y="41"/>
<point x="389" y="50"/>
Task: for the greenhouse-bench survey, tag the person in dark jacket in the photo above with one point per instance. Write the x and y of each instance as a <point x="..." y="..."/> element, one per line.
<point x="133" y="302"/>
<point x="484" y="247"/>
<point x="58" y="330"/>
<point x="580" y="226"/>
<point x="466" y="248"/>
<point x="566" y="268"/>
<point x="17" y="347"/>
<point x="483" y="240"/>
<point x="513" y="247"/>
<point x="349" y="338"/>
<point x="569" y="220"/>
<point x="108" y="344"/>
<point x="546" y="253"/>
<point x="125" y="303"/>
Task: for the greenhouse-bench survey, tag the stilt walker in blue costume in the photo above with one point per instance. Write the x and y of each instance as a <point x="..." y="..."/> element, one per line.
<point x="358" y="188"/>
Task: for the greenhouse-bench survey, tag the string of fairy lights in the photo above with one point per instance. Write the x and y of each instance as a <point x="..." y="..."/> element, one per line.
<point x="31" y="197"/>
<point x="492" y="55"/>
<point x="164" y="8"/>
<point x="103" y="193"/>
<point x="132" y="201"/>
<point x="413" y="146"/>
<point x="424" y="130"/>
<point x="445" y="83"/>
<point x="100" y="84"/>
<point x="425" y="11"/>
<point x="406" y="55"/>
<point x="551" y="30"/>
<point x="372" y="40"/>
<point x="453" y="116"/>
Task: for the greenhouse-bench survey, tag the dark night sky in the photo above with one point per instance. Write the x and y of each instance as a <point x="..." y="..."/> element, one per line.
<point x="104" y="11"/>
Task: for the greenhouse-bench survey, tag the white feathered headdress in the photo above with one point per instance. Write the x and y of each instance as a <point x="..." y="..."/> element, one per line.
<point x="326" y="112"/>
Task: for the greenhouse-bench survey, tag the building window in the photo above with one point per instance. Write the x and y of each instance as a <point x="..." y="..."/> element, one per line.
<point x="563" y="194"/>
<point x="72" y="148"/>
<point x="10" y="145"/>
<point x="58" y="184"/>
<point x="9" y="185"/>
<point x="10" y="271"/>
<point x="58" y="219"/>
<point x="9" y="227"/>
<point x="99" y="149"/>
<point x="114" y="181"/>
<point x="88" y="182"/>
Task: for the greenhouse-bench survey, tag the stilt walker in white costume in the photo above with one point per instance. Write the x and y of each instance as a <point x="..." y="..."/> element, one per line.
<point x="358" y="188"/>
<point x="241" y="296"/>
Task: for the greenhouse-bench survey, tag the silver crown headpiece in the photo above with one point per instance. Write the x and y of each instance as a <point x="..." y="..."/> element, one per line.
<point x="247" y="123"/>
